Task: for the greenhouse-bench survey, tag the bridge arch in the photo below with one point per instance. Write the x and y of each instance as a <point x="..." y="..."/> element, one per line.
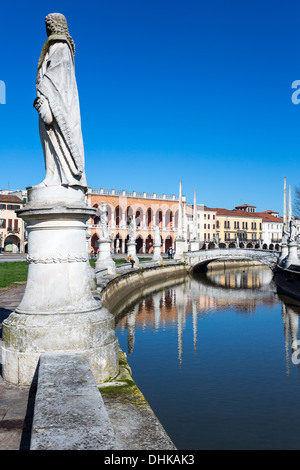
<point x="199" y="260"/>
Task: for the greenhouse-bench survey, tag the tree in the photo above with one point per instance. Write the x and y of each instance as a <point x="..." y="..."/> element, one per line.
<point x="296" y="209"/>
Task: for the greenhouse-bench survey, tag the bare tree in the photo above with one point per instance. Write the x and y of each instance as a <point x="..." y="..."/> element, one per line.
<point x="296" y="209"/>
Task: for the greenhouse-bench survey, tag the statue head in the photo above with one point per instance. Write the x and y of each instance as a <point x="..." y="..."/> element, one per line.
<point x="56" y="23"/>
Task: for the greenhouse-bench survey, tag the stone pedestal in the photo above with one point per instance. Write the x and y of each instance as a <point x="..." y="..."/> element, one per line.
<point x="180" y="246"/>
<point x="157" y="253"/>
<point x="292" y="258"/>
<point x="284" y="253"/>
<point x="104" y="259"/>
<point x="131" y="250"/>
<point x="58" y="312"/>
<point x="194" y="245"/>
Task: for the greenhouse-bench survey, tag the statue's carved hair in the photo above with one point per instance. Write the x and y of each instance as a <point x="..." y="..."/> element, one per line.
<point x="57" y="24"/>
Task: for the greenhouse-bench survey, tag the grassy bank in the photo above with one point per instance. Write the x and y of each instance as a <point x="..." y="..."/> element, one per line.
<point x="12" y="274"/>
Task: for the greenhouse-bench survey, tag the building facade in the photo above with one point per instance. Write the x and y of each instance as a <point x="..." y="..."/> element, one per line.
<point x="12" y="233"/>
<point x="242" y="226"/>
<point x="147" y="209"/>
<point x="272" y="226"/>
<point x="205" y="225"/>
<point x="238" y="227"/>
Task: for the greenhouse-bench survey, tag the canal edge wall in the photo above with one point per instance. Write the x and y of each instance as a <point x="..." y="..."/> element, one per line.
<point x="287" y="282"/>
<point x="117" y="289"/>
<point x="131" y="422"/>
<point x="117" y="292"/>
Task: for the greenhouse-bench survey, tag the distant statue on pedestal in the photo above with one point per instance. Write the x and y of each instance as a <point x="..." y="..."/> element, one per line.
<point x="57" y="103"/>
<point x="293" y="229"/>
<point x="132" y="230"/>
<point x="104" y="221"/>
<point x="157" y="237"/>
<point x="285" y="235"/>
<point x="131" y="245"/>
<point x="157" y="245"/>
<point x="216" y="240"/>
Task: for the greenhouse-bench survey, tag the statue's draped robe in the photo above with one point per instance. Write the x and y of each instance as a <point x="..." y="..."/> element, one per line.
<point x="62" y="139"/>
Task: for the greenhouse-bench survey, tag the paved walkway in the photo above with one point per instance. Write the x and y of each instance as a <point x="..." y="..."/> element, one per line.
<point x="16" y="403"/>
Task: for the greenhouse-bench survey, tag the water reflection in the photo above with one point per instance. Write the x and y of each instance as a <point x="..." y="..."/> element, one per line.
<point x="198" y="296"/>
<point x="214" y="353"/>
<point x="241" y="278"/>
<point x="290" y="317"/>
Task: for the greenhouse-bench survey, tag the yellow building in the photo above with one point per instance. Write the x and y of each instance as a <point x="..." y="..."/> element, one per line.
<point x="238" y="224"/>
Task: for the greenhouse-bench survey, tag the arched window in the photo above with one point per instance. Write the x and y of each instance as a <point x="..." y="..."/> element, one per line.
<point x="168" y="218"/>
<point x="139" y="244"/>
<point x="139" y="217"/>
<point x="149" y="217"/>
<point x="118" y="215"/>
<point x="158" y="217"/>
<point x="168" y="242"/>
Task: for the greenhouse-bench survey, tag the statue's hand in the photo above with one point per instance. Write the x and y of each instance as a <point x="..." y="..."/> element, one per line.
<point x="42" y="106"/>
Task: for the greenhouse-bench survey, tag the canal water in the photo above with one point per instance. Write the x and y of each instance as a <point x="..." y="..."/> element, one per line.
<point x="215" y="355"/>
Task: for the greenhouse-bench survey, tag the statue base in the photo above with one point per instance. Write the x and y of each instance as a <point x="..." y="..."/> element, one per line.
<point x="58" y="312"/>
<point x="194" y="245"/>
<point x="131" y="251"/>
<point x="104" y="259"/>
<point x="180" y="245"/>
<point x="292" y="258"/>
<point x="157" y="254"/>
<point x="283" y="255"/>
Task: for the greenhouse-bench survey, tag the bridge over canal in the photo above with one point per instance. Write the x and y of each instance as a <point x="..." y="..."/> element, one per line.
<point x="196" y="259"/>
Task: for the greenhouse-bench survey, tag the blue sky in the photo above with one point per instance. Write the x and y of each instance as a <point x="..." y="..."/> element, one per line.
<point x="169" y="89"/>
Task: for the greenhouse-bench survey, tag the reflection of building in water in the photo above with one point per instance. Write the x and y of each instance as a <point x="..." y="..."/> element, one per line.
<point x="130" y="324"/>
<point x="241" y="279"/>
<point x="199" y="297"/>
<point x="290" y="318"/>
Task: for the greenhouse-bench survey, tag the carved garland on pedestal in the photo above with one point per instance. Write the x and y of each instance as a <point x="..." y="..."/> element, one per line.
<point x="68" y="258"/>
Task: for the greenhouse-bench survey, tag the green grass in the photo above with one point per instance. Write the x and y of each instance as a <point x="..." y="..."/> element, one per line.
<point x="118" y="261"/>
<point x="13" y="273"/>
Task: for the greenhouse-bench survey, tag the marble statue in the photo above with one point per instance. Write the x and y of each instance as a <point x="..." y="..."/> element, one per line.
<point x="132" y="230"/>
<point x="216" y="239"/>
<point x="293" y="228"/>
<point x="157" y="237"/>
<point x="57" y="103"/>
<point x="58" y="312"/>
<point x="104" y="221"/>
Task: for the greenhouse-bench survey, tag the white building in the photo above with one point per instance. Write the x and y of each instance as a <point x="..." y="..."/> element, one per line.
<point x="272" y="225"/>
<point x="206" y="223"/>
